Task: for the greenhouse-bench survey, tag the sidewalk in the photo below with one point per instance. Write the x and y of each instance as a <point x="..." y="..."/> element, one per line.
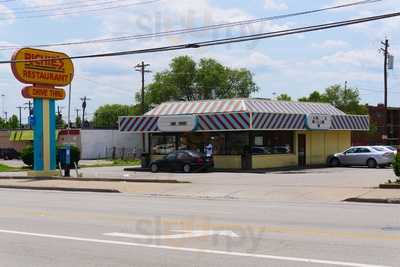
<point x="319" y="185"/>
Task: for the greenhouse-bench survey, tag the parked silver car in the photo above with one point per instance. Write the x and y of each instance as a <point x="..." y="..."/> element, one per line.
<point x="371" y="156"/>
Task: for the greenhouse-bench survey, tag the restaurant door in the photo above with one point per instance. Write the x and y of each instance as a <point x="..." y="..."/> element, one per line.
<point x="301" y="150"/>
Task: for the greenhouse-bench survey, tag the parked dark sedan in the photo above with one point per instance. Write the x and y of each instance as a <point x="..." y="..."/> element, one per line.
<point x="185" y="160"/>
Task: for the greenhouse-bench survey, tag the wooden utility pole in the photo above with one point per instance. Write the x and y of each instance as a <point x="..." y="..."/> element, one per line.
<point x="385" y="51"/>
<point x="142" y="68"/>
<point x="20" y="116"/>
<point x="84" y="105"/>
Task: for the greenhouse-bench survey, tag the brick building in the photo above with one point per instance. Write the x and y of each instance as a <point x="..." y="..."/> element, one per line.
<point x="378" y="135"/>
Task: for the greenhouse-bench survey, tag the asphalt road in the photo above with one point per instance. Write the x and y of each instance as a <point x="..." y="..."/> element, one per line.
<point x="67" y="229"/>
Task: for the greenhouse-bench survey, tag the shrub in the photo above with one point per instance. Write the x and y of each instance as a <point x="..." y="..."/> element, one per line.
<point x="396" y="165"/>
<point x="27" y="156"/>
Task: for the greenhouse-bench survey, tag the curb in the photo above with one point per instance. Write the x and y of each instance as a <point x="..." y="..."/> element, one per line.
<point x="374" y="200"/>
<point x="65" y="189"/>
<point x="389" y="186"/>
<point x="160" y="181"/>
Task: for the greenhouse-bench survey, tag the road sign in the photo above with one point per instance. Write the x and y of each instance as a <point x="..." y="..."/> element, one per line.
<point x="43" y="70"/>
<point x="34" y="66"/>
<point x="43" y="92"/>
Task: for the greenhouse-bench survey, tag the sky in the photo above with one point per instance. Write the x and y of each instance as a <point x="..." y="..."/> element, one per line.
<point x="295" y="65"/>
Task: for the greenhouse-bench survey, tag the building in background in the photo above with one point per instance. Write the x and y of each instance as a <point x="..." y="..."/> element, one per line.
<point x="385" y="127"/>
<point x="248" y="133"/>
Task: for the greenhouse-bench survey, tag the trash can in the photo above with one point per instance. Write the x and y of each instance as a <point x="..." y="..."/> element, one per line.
<point x="64" y="154"/>
<point x="145" y="160"/>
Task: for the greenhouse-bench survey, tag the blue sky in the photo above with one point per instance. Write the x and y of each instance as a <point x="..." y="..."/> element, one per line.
<point x="295" y="65"/>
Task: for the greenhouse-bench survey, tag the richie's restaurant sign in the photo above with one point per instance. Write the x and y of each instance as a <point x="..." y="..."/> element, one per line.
<point x="43" y="69"/>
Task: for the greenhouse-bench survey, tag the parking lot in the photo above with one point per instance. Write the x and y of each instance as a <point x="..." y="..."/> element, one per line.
<point x="323" y="184"/>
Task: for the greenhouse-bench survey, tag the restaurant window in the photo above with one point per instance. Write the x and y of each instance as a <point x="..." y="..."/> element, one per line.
<point x="198" y="142"/>
<point x="163" y="144"/>
<point x="273" y="142"/>
<point x="237" y="143"/>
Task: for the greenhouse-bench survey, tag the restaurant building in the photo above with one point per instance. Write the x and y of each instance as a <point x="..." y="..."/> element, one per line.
<point x="248" y="133"/>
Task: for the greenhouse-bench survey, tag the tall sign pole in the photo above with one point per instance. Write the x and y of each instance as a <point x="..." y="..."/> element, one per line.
<point x="43" y="71"/>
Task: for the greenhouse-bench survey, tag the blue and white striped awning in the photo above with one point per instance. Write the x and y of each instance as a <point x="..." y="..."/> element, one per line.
<point x="245" y="114"/>
<point x="251" y="105"/>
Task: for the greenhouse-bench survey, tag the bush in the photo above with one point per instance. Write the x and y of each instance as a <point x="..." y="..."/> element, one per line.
<point x="27" y="156"/>
<point x="396" y="165"/>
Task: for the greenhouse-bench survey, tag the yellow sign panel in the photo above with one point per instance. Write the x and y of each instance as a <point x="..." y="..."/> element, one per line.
<point x="34" y="66"/>
<point x="43" y="92"/>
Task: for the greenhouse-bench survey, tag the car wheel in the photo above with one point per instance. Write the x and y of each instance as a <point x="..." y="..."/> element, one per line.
<point x="334" y="162"/>
<point x="187" y="168"/>
<point x="154" y="168"/>
<point x="372" y="164"/>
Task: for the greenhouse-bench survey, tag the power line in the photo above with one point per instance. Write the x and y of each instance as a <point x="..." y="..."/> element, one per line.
<point x="79" y="11"/>
<point x="245" y="38"/>
<point x="196" y="29"/>
<point x="66" y="6"/>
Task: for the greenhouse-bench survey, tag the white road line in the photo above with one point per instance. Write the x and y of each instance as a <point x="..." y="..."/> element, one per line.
<point x="185" y="234"/>
<point x="195" y="250"/>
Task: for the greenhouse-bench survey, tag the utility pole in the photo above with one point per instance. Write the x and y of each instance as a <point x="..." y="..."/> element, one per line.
<point x="77" y="116"/>
<point x="84" y="105"/>
<point x="69" y="105"/>
<point x="59" y="116"/>
<point x="30" y="110"/>
<point x="385" y="51"/>
<point x="142" y="68"/>
<point x="20" y="116"/>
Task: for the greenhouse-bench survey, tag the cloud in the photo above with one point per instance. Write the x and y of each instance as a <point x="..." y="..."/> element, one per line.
<point x="275" y="5"/>
<point x="331" y="44"/>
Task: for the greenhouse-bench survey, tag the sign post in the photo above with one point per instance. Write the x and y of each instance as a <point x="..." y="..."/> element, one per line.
<point x="43" y="71"/>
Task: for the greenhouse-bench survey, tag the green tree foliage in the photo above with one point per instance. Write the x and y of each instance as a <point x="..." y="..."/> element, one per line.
<point x="106" y="117"/>
<point x="186" y="80"/>
<point x="396" y="165"/>
<point x="284" y="97"/>
<point x="78" y="122"/>
<point x="346" y="100"/>
<point x="13" y="122"/>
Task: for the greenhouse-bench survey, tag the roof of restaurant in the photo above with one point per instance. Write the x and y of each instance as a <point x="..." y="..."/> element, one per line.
<point x="254" y="105"/>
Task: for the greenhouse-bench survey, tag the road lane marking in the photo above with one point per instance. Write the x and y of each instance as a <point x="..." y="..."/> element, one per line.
<point x="185" y="234"/>
<point x="193" y="250"/>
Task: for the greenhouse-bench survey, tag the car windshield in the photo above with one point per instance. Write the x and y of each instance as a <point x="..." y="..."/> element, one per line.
<point x="391" y="148"/>
<point x="378" y="148"/>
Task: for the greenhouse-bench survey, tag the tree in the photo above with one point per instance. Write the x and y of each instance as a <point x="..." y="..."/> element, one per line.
<point x="284" y="97"/>
<point x="347" y="100"/>
<point x="78" y="122"/>
<point x="106" y="117"/>
<point x="186" y="80"/>
<point x="314" y="97"/>
<point x="13" y="122"/>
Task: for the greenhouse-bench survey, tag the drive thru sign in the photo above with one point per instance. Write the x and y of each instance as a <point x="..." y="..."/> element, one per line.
<point x="43" y="71"/>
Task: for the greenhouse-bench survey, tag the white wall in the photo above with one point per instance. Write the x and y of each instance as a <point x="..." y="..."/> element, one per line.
<point x="97" y="144"/>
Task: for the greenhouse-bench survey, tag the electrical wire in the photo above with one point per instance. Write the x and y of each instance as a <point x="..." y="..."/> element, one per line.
<point x="80" y="11"/>
<point x="238" y="39"/>
<point x="195" y="29"/>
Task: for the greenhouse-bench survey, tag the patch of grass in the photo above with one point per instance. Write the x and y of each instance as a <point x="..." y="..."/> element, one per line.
<point x="6" y="168"/>
<point x="117" y="162"/>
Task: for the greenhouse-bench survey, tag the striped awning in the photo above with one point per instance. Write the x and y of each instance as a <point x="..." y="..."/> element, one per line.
<point x="244" y="114"/>
<point x="243" y="105"/>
